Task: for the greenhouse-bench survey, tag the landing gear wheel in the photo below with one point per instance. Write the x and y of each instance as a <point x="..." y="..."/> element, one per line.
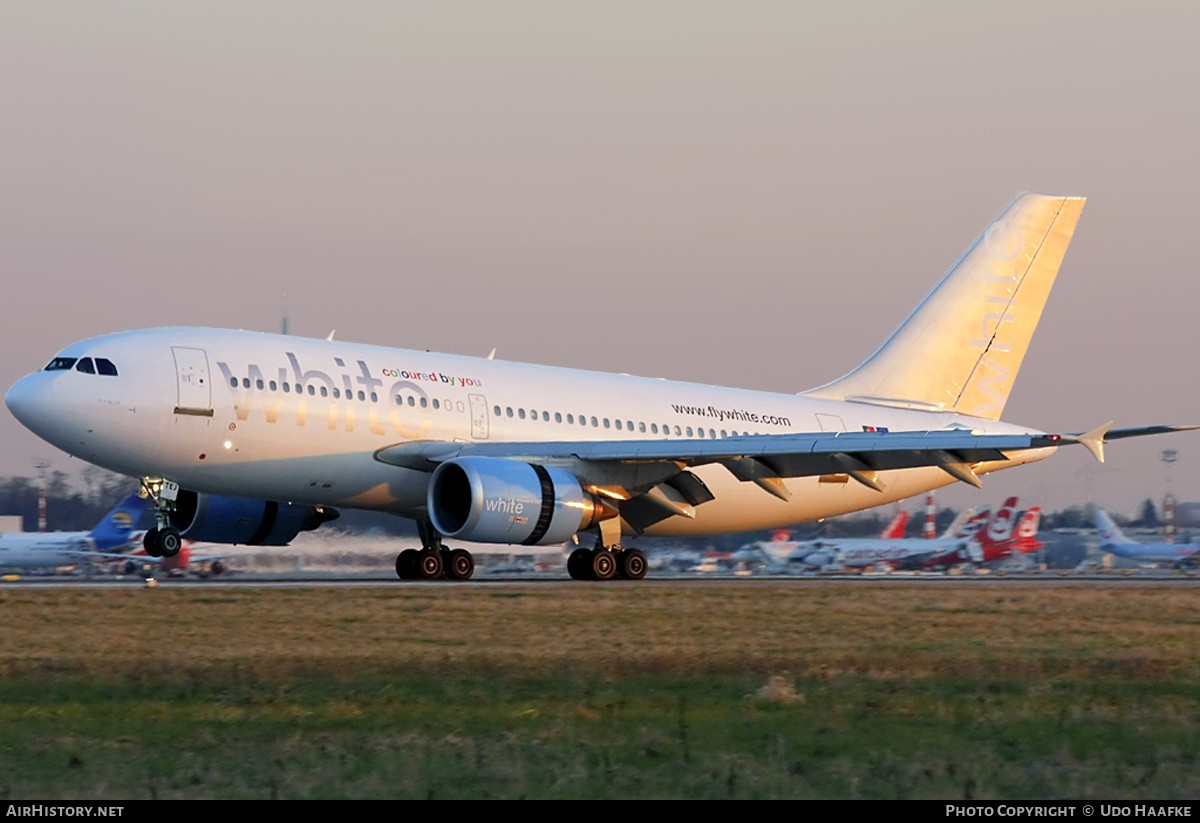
<point x="406" y="564"/>
<point x="577" y="564"/>
<point x="429" y="564"/>
<point x="631" y="565"/>
<point x="603" y="564"/>
<point x="169" y="541"/>
<point x="150" y="543"/>
<point x="460" y="565"/>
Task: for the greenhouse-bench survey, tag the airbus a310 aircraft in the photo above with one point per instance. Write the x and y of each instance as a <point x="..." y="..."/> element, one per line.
<point x="248" y="438"/>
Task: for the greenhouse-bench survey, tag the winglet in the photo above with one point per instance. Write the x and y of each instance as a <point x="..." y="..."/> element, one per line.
<point x="1093" y="440"/>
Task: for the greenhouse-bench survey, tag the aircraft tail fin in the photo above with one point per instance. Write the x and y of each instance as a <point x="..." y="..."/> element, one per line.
<point x="1000" y="527"/>
<point x="895" y="529"/>
<point x="1110" y="532"/>
<point x="968" y="522"/>
<point x="118" y="524"/>
<point x="961" y="347"/>
<point x="1028" y="525"/>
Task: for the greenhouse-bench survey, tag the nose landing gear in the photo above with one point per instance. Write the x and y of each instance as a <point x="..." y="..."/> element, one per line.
<point x="164" y="540"/>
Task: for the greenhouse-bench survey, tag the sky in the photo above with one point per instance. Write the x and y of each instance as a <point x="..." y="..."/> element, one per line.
<point x="748" y="194"/>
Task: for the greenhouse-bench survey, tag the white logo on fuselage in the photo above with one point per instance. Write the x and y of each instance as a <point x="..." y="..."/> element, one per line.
<point x="314" y="385"/>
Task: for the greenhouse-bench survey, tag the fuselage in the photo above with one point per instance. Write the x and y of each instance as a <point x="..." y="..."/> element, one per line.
<point x="1152" y="552"/>
<point x="300" y="420"/>
<point x="44" y="549"/>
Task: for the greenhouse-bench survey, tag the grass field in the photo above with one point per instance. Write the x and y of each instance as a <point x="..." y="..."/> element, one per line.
<point x="743" y="689"/>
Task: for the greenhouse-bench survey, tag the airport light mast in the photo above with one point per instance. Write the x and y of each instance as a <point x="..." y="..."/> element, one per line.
<point x="41" y="466"/>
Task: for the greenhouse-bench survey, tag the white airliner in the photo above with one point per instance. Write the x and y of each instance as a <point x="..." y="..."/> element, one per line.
<point x="248" y="438"/>
<point x="52" y="549"/>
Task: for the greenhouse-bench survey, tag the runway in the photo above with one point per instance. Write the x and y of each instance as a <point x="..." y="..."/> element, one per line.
<point x="269" y="581"/>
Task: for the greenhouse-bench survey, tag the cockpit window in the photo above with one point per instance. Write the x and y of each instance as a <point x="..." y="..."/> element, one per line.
<point x="60" y="364"/>
<point x="85" y="365"/>
<point x="105" y="366"/>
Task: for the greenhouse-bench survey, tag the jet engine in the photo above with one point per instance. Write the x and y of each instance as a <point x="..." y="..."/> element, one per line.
<point x="493" y="500"/>
<point x="215" y="518"/>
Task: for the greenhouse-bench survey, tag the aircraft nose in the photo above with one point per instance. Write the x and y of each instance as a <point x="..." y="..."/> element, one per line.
<point x="23" y="400"/>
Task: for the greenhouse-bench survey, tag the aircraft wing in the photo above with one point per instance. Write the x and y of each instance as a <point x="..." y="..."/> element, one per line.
<point x="622" y="469"/>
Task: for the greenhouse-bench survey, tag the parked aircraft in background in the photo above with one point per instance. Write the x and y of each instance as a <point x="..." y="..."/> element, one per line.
<point x="992" y="545"/>
<point x="1114" y="541"/>
<point x="187" y="559"/>
<point x="53" y="549"/>
<point x="249" y="438"/>
<point x="775" y="553"/>
<point x="859" y="553"/>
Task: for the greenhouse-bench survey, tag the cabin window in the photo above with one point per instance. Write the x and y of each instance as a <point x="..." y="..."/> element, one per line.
<point x="618" y="425"/>
<point x="496" y="409"/>
<point x="324" y="392"/>
<point x="521" y="413"/>
<point x="558" y="417"/>
<point x="312" y="389"/>
<point x="258" y="384"/>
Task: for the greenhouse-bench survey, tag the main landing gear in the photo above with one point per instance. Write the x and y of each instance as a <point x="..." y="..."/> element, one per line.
<point x="606" y="564"/>
<point x="164" y="540"/>
<point x="607" y="561"/>
<point x="433" y="560"/>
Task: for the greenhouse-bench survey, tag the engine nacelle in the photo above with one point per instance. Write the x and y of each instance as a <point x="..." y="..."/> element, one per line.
<point x="215" y="518"/>
<point x="492" y="500"/>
